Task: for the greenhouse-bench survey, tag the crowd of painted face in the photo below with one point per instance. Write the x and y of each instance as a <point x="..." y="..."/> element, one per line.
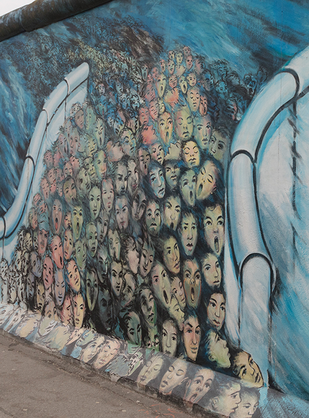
<point x="126" y="234"/>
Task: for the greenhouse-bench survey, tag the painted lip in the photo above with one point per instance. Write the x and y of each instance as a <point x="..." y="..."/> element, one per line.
<point x="216" y="244"/>
<point x="177" y="265"/>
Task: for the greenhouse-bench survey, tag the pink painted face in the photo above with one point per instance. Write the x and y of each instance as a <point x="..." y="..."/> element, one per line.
<point x="79" y="119"/>
<point x="57" y="215"/>
<point x="57" y="251"/>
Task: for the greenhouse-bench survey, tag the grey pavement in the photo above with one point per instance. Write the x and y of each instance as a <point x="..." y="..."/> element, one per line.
<point x="38" y="384"/>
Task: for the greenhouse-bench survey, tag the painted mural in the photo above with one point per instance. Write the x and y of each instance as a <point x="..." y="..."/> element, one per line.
<point x="122" y="249"/>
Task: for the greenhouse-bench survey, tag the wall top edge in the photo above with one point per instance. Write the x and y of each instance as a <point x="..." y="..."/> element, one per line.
<point x="42" y="13"/>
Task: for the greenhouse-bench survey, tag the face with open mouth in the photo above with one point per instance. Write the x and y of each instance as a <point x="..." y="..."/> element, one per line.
<point x="198" y="386"/>
<point x="91" y="238"/>
<point x="73" y="276"/>
<point x="216" y="311"/>
<point x="77" y="221"/>
<point x="144" y="160"/>
<point x="57" y="215"/>
<point x="116" y="278"/>
<point x="169" y="338"/>
<point x="171" y="255"/>
<point x="165" y="127"/>
<point x="214" y="228"/>
<point x="184" y="123"/>
<point x="161" y="284"/>
<point x="173" y="377"/>
<point x="187" y="183"/>
<point x="57" y="251"/>
<point x="79" y="310"/>
<point x="211" y="270"/>
<point x="161" y="85"/>
<point x="191" y="336"/>
<point x="188" y="233"/>
<point x="191" y="154"/>
<point x="206" y="183"/>
<point x="247" y="369"/>
<point x="192" y="282"/>
<point x="171" y="212"/>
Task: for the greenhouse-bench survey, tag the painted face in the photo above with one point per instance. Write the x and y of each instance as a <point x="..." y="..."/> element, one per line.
<point x="191" y="337"/>
<point x="80" y="251"/>
<point x="40" y="296"/>
<point x="218" y="350"/>
<point x="73" y="276"/>
<point x="172" y="81"/>
<point x="171" y="255"/>
<point x="153" y="218"/>
<point x="92" y="349"/>
<point x="203" y="105"/>
<point x="134" y="331"/>
<point x="199" y="386"/>
<point x="121" y="178"/>
<point x="57" y="251"/>
<point x="94" y="202"/>
<point x="103" y="263"/>
<point x="114" y="244"/>
<point x="89" y="119"/>
<point x="132" y="256"/>
<point x="48" y="159"/>
<point x="216" y="311"/>
<point x="214" y="229"/>
<point x="172" y="172"/>
<point x="91" y="288"/>
<point x="99" y="132"/>
<point x="191" y="79"/>
<point x="218" y="146"/>
<point x="77" y="221"/>
<point x="189" y="62"/>
<point x="102" y="225"/>
<point x="59" y="287"/>
<point x="122" y="212"/>
<point x="154" y="109"/>
<point x="114" y="151"/>
<point x="36" y="267"/>
<point x="165" y="125"/>
<point x="191" y="154"/>
<point x="128" y="289"/>
<point x="28" y="242"/>
<point x="187" y="185"/>
<point x="188" y="233"/>
<point x="227" y="403"/>
<point x="206" y="183"/>
<point x="48" y="273"/>
<point x="79" y="310"/>
<point x="45" y="188"/>
<point x="83" y="182"/>
<point x="183" y="84"/>
<point x="171" y="67"/>
<point x="139" y="205"/>
<point x="105" y="306"/>
<point x="161" y="85"/>
<point x="100" y="164"/>
<point x="202" y="132"/>
<point x="92" y="239"/>
<point x="169" y="338"/>
<point x="150" y="371"/>
<point x="108" y="352"/>
<point x="178" y="291"/>
<point x="173" y="377"/>
<point x="211" y="271"/>
<point x="146" y="260"/>
<point x="107" y="194"/>
<point x="116" y="278"/>
<point x="192" y="282"/>
<point x="128" y="143"/>
<point x="144" y="116"/>
<point x="247" y="407"/>
<point x="33" y="218"/>
<point x="144" y="160"/>
<point x="171" y="212"/>
<point x="79" y="119"/>
<point x="149" y="308"/>
<point x="157" y="152"/>
<point x="42" y="241"/>
<point x="161" y="284"/>
<point x="193" y="98"/>
<point x="74" y="141"/>
<point x="68" y="244"/>
<point x="157" y="181"/>
<point x="246" y="368"/>
<point x="67" y="221"/>
<point x="90" y="168"/>
<point x="133" y="178"/>
<point x="69" y="191"/>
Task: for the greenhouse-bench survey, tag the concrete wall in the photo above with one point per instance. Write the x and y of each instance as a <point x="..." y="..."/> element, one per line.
<point x="162" y="196"/>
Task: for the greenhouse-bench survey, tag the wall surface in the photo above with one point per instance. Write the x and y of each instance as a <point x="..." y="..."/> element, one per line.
<point x="162" y="197"/>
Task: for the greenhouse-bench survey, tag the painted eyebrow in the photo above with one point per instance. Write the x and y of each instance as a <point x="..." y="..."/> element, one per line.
<point x="214" y="300"/>
<point x="219" y="217"/>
